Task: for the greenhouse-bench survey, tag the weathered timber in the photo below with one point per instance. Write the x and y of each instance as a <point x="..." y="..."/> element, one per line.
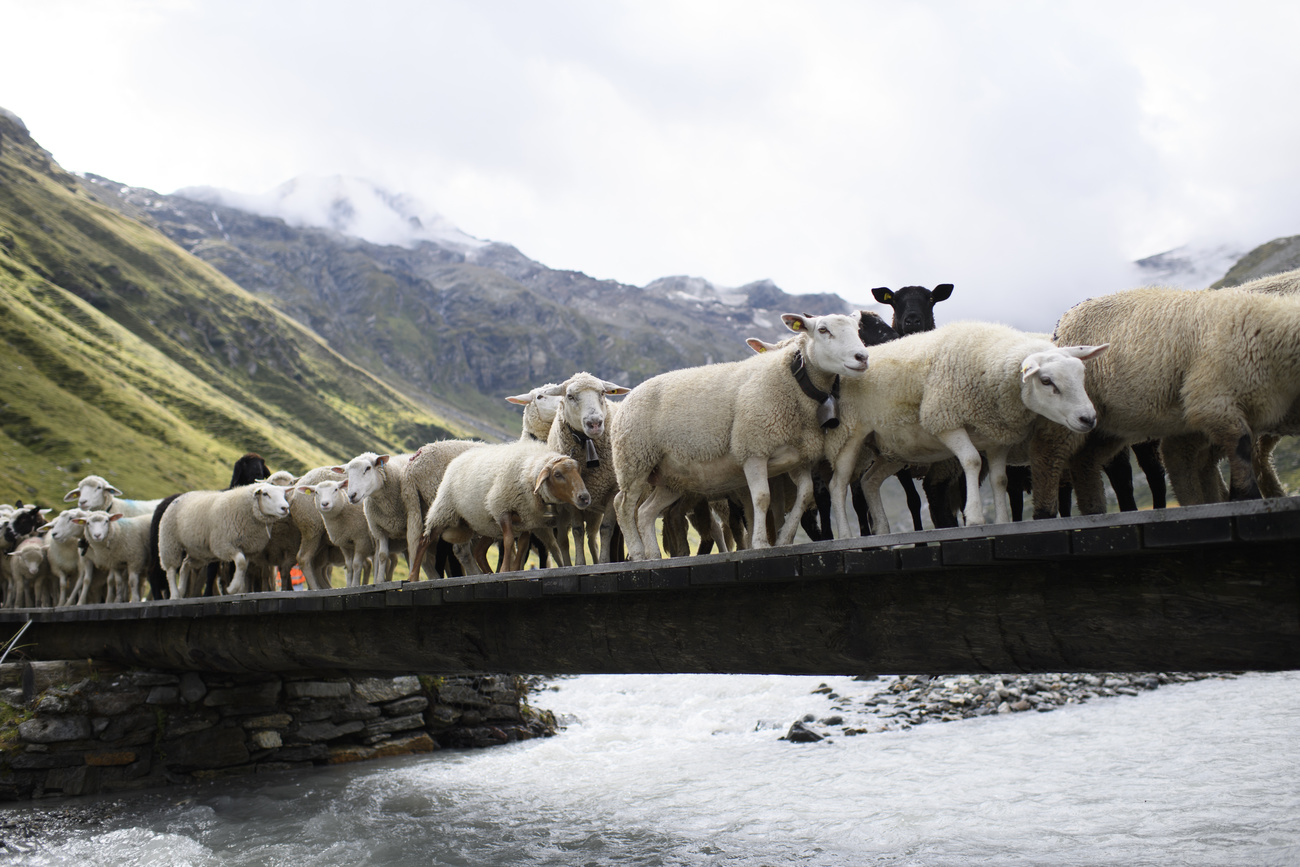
<point x="1196" y="589"/>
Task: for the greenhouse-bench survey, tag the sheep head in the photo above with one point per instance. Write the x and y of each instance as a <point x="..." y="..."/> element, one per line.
<point x="583" y="406"/>
<point x="364" y="474"/>
<point x="1052" y="385"/>
<point x="830" y="343"/>
<point x="560" y="481"/>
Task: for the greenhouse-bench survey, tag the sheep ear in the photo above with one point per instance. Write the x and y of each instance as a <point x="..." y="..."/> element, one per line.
<point x="1083" y="353"/>
<point x="1030" y="368"/>
<point x="941" y="293"/>
<point x="554" y="391"/>
<point x="521" y="399"/>
<point x="795" y="322"/>
<point x="381" y="460"/>
<point x="342" y="471"/>
<point x="115" y="516"/>
<point x="114" y="491"/>
<point x="71" y="495"/>
<point x="343" y="484"/>
<point x="306" y="489"/>
<point x="883" y="295"/>
<point x="611" y="388"/>
<point x="43" y="512"/>
<point x="542" y="477"/>
<point x="757" y="345"/>
<point x="45" y="528"/>
<point x="78" y="520"/>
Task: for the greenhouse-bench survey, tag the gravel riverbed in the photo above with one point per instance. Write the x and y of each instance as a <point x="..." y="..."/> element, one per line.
<point x="900" y="703"/>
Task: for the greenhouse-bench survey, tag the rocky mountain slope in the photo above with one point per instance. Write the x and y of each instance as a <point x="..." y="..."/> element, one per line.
<point x="124" y="355"/>
<point x="466" y="323"/>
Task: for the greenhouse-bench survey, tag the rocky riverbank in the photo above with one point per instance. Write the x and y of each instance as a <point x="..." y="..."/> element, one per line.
<point x="901" y="703"/>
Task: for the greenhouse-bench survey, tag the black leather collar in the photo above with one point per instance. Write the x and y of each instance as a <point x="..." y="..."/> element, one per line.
<point x="828" y="410"/>
<point x="593" y="456"/>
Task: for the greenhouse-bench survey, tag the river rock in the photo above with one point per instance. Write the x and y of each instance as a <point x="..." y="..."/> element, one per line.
<point x="801" y="734"/>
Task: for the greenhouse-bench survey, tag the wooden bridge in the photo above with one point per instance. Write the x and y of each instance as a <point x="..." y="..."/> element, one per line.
<point x="1204" y="588"/>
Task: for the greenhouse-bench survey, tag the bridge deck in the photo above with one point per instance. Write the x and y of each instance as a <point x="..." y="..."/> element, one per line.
<point x="1201" y="588"/>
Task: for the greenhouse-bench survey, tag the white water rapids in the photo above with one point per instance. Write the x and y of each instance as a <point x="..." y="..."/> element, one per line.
<point x="688" y="770"/>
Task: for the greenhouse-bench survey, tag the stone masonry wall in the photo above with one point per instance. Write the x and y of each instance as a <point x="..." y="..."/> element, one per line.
<point x="74" y="728"/>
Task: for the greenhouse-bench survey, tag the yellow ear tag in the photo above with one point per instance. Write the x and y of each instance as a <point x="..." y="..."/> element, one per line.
<point x="796" y="325"/>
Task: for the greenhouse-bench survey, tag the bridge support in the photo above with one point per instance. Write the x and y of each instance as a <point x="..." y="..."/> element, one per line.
<point x="1202" y="588"/>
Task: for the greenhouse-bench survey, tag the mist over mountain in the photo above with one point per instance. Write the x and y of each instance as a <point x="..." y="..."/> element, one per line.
<point x="1191" y="266"/>
<point x="349" y="206"/>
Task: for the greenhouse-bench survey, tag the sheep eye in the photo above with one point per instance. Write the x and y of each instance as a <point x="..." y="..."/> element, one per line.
<point x="1045" y="380"/>
<point x="823" y="330"/>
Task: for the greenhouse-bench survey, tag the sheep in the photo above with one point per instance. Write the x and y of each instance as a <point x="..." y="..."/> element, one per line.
<point x="1193" y="451"/>
<point x="20" y="524"/>
<point x="118" y="546"/>
<point x="420" y="482"/>
<point x="580" y="430"/>
<point x="377" y="480"/>
<point x="714" y="429"/>
<point x="344" y="523"/>
<point x="954" y="391"/>
<point x="205" y="526"/>
<point x="539" y="406"/>
<point x="497" y="491"/>
<point x="1223" y="365"/>
<point x="281" y="551"/>
<point x="63" y="551"/>
<point x="913" y="306"/>
<point x="30" y="583"/>
<point x="94" y="493"/>
<point x="316" y="553"/>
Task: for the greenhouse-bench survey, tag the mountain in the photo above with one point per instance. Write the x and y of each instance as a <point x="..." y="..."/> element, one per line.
<point x="124" y="355"/>
<point x="1189" y="266"/>
<point x="1278" y="255"/>
<point x="441" y="315"/>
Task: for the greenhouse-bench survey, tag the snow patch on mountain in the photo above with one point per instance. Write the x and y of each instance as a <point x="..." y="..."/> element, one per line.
<point x="350" y="206"/>
<point x="1191" y="266"/>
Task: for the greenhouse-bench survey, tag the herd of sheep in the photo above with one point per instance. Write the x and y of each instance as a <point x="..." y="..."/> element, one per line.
<point x="803" y="432"/>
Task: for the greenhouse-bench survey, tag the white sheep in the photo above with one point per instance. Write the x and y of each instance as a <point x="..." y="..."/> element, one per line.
<point x="120" y="547"/>
<point x="205" y="526"/>
<point x="63" y="551"/>
<point x="94" y="493"/>
<point x="580" y="430"/>
<point x="1193" y="450"/>
<point x="344" y="523"/>
<point x="501" y="492"/>
<point x="420" y="483"/>
<point x="715" y="429"/>
<point x="30" y="583"/>
<point x="958" y="390"/>
<point x="539" y="406"/>
<point x="1221" y="365"/>
<point x="376" y="481"/>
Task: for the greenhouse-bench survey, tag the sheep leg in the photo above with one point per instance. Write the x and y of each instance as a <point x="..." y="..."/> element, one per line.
<point x="1148" y="458"/>
<point x="998" y="482"/>
<point x="481" y="545"/>
<point x="675" y="544"/>
<point x="1086" y="471"/>
<point x="625" y="503"/>
<point x="1050" y="451"/>
<point x="872" y="479"/>
<point x="958" y="442"/>
<point x="607" y="524"/>
<point x="238" y="583"/>
<point x="1119" y="472"/>
<point x="842" y="472"/>
<point x="803" y="497"/>
<point x="648" y="513"/>
<point x="905" y="479"/>
<point x="1265" y="473"/>
<point x="381" y="557"/>
<point x="1234" y="438"/>
<point x="760" y="496"/>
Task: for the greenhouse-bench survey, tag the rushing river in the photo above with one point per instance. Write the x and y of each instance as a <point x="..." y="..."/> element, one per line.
<point x="689" y="770"/>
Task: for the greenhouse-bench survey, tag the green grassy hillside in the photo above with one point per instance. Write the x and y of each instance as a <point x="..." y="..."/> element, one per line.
<point x="123" y="355"/>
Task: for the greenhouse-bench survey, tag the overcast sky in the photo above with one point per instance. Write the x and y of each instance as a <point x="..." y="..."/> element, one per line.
<point x="1022" y="151"/>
